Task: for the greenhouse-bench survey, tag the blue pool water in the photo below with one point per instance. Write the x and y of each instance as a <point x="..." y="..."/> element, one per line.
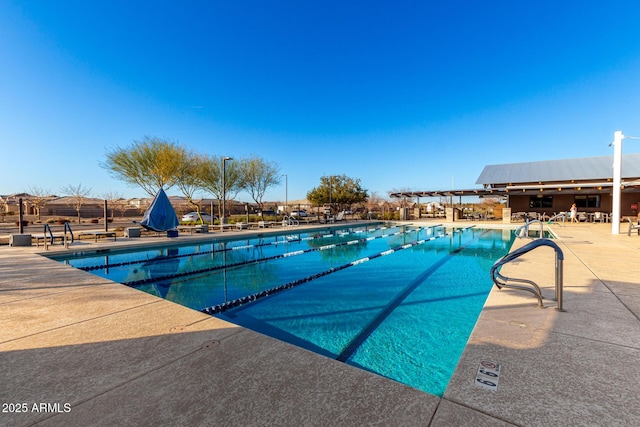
<point x="397" y="301"/>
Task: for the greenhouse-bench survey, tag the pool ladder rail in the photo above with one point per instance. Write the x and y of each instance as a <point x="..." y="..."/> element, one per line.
<point x="523" y="230"/>
<point x="289" y="221"/>
<point x="562" y="216"/>
<point x="504" y="282"/>
<point x="52" y="236"/>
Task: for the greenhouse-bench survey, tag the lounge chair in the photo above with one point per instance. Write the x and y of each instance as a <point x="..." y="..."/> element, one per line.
<point x="518" y="216"/>
<point x="340" y="216"/>
<point x="96" y="234"/>
<point x="633" y="227"/>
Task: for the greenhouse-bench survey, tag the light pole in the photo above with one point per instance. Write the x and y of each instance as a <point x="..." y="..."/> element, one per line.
<point x="617" y="179"/>
<point x="330" y="190"/>
<point x="223" y="220"/>
<point x="286" y="193"/>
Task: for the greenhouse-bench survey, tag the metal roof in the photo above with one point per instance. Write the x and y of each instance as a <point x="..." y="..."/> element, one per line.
<point x="478" y="192"/>
<point x="551" y="176"/>
<point x="586" y="168"/>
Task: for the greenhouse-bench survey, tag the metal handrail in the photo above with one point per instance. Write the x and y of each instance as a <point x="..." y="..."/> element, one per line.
<point x="501" y="281"/>
<point x="47" y="228"/>
<point x="288" y="221"/>
<point x="67" y="226"/>
<point x="523" y="230"/>
<point x="562" y="215"/>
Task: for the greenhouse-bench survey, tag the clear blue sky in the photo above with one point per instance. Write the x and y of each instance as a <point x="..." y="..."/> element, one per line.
<point x="399" y="94"/>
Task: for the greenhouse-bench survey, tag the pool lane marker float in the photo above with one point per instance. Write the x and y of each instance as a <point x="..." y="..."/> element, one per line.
<point x="135" y="283"/>
<point x="231" y="248"/>
<point x="220" y="308"/>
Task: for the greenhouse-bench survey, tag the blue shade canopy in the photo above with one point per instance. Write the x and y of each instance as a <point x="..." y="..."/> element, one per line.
<point x="160" y="215"/>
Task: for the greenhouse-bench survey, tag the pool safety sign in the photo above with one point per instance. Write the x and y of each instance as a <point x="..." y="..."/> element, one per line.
<point x="488" y="375"/>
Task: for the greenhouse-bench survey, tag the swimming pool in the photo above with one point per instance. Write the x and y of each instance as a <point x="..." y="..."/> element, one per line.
<point x="397" y="301"/>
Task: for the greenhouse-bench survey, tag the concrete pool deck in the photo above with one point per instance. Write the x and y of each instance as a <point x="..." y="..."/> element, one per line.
<point x="76" y="349"/>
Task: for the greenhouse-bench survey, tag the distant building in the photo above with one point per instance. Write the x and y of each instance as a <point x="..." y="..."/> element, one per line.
<point x="65" y="206"/>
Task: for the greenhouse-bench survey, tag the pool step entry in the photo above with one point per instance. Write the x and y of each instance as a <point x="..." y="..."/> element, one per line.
<point x="528" y="285"/>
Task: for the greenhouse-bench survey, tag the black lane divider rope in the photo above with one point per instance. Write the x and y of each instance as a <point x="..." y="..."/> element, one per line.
<point x="146" y="281"/>
<point x="357" y="341"/>
<point x="220" y="308"/>
<point x="231" y="248"/>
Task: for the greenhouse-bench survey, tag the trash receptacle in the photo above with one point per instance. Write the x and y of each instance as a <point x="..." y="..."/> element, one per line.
<point x="131" y="232"/>
<point x="20" y="240"/>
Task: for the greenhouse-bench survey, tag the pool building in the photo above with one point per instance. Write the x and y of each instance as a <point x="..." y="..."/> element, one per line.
<point x="552" y="186"/>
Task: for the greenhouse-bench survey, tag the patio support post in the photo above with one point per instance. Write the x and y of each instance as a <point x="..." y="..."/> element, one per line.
<point x="20" y="217"/>
<point x="617" y="178"/>
<point x="286" y="194"/>
<point x="223" y="220"/>
<point x="106" y="220"/>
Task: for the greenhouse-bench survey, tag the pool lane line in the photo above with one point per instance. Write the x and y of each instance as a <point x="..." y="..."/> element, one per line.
<point x="230" y="248"/>
<point x="220" y="308"/>
<point x="357" y="341"/>
<point x="225" y="249"/>
<point x="141" y="282"/>
<point x="148" y="280"/>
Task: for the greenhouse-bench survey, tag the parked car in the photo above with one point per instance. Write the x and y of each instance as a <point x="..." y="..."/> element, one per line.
<point x="193" y="217"/>
<point x="300" y="213"/>
<point x="267" y="212"/>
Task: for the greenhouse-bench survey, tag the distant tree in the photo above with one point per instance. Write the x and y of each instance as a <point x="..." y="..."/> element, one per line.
<point x="211" y="176"/>
<point x="78" y="194"/>
<point x="489" y="204"/>
<point x="115" y="201"/>
<point x="3" y="207"/>
<point x="374" y="201"/>
<point x="152" y="163"/>
<point x="257" y="176"/>
<point x="190" y="178"/>
<point x="338" y="191"/>
<point x="39" y="198"/>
